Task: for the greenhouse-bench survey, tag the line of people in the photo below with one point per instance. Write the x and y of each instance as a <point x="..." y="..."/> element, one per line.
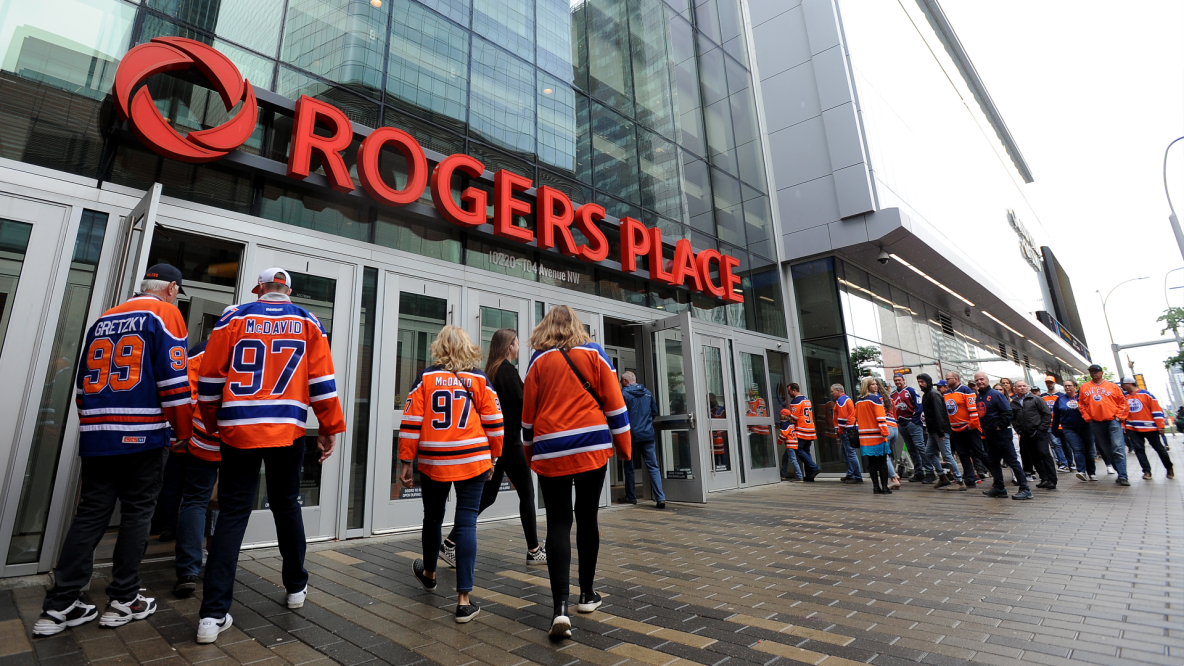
<point x="240" y="402"/>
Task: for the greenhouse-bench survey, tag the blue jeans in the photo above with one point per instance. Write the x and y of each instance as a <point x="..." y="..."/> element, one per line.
<point x="236" y="499"/>
<point x="200" y="477"/>
<point x="911" y="437"/>
<point x="939" y="450"/>
<point x="806" y="460"/>
<point x="1109" y="434"/>
<point x="1056" y="450"/>
<point x="1081" y="442"/>
<point x="851" y="456"/>
<point x="789" y="457"/>
<point x="649" y="456"/>
<point x="468" y="504"/>
<point x="894" y="446"/>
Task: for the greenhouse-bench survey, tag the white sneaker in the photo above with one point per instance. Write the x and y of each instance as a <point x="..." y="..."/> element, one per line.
<point x="1083" y="476"/>
<point x="296" y="599"/>
<point x="119" y="613"/>
<point x="1092" y="477"/>
<point x="54" y="622"/>
<point x="208" y="628"/>
<point x="1110" y="470"/>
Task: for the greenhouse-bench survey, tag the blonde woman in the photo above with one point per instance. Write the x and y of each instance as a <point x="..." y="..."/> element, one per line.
<point x="873" y="433"/>
<point x="452" y="423"/>
<point x="896" y="458"/>
<point x="573" y="416"/>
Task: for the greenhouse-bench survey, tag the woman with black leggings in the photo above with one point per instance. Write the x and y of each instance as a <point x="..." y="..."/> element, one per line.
<point x="503" y="348"/>
<point x="573" y="416"/>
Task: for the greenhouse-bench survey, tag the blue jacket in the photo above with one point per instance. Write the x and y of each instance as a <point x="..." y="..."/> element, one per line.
<point x="642" y="410"/>
<point x="1066" y="415"/>
<point x="994" y="410"/>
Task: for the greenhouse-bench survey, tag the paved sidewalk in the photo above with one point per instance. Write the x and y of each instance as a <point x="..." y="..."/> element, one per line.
<point x="794" y="573"/>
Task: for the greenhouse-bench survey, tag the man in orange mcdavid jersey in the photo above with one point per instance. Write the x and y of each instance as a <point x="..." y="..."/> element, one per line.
<point x="266" y="363"/>
<point x="1144" y="424"/>
<point x="1104" y="407"/>
<point x="797" y="423"/>
<point x="843" y="420"/>
<point x="197" y="487"/>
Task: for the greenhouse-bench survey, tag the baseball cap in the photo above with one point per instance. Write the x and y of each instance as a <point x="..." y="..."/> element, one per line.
<point x="272" y="275"/>
<point x="1094" y="368"/>
<point x="942" y="382"/>
<point x="1126" y="380"/>
<point x="166" y="273"/>
<point x="1050" y="378"/>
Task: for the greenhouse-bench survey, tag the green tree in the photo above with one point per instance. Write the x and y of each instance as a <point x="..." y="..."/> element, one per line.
<point x="1106" y="375"/>
<point x="863" y="359"/>
<point x="1172" y="319"/>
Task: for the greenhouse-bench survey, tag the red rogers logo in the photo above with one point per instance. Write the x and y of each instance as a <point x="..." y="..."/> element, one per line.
<point x="165" y="54"/>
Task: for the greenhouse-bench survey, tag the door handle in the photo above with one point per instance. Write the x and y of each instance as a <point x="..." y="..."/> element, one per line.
<point x="691" y="420"/>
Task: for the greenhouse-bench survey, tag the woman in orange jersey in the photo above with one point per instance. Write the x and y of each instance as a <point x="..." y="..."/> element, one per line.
<point x="873" y="433"/>
<point x="452" y="423"/>
<point x="896" y="457"/>
<point x="573" y="416"/>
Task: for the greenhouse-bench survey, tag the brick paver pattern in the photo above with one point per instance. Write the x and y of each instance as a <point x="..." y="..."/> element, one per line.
<point x="786" y="574"/>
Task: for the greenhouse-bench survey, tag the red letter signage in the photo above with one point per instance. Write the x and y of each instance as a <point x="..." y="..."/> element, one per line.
<point x="684" y="266"/>
<point x="704" y="263"/>
<point x="657" y="268"/>
<point x="305" y="141"/>
<point x="474" y="197"/>
<point x="635" y="240"/>
<point x="548" y="199"/>
<point x="586" y="218"/>
<point x="368" y="173"/>
<point x="505" y="184"/>
<point x="729" y="280"/>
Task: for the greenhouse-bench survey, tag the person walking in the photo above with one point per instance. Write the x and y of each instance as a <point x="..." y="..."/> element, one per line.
<point x="1075" y="430"/>
<point x="1060" y="448"/>
<point x="995" y="416"/>
<point x="907" y="403"/>
<point x="1104" y="407"/>
<point x="789" y="456"/>
<point x="896" y="458"/>
<point x="964" y="426"/>
<point x="797" y="424"/>
<point x="937" y="424"/>
<point x="872" y="426"/>
<point x="502" y="375"/>
<point x="573" y="417"/>
<point x="197" y="487"/>
<point x="1144" y="425"/>
<point x="843" y="421"/>
<point x="133" y="400"/>
<point x="452" y="427"/>
<point x="266" y="363"/>
<point x="1032" y="418"/>
<point x="642" y="410"/>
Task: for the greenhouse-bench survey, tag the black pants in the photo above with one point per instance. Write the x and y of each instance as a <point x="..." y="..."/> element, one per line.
<point x="134" y="479"/>
<point x="966" y="444"/>
<point x="1035" y="452"/>
<point x="237" y="484"/>
<point x="169" y="502"/>
<point x="557" y="496"/>
<point x="1000" y="446"/>
<point x="1151" y="439"/>
<point x="878" y="470"/>
<point x="511" y="464"/>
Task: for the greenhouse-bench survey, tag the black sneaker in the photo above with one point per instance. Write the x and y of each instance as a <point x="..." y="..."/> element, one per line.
<point x="560" y="623"/>
<point x="1122" y="481"/>
<point x="119" y="613"/>
<point x="417" y="568"/>
<point x="589" y="601"/>
<point x="917" y="477"/>
<point x="466" y="613"/>
<point x="1024" y="494"/>
<point x="995" y="492"/>
<point x="448" y="554"/>
<point x="185" y="586"/>
<point x="166" y="535"/>
<point x="537" y="556"/>
<point x="54" y="622"/>
<point x="929" y="477"/>
<point x="661" y="505"/>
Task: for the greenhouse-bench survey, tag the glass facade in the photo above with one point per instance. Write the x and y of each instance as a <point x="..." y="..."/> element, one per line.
<point x="644" y="107"/>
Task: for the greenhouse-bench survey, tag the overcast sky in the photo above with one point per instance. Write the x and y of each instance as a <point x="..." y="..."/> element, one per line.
<point x="1093" y="92"/>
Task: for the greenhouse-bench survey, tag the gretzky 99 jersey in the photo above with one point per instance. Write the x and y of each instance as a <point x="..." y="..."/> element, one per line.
<point x="202" y="444"/>
<point x="456" y="429"/>
<point x="265" y="364"/>
<point x="131" y="383"/>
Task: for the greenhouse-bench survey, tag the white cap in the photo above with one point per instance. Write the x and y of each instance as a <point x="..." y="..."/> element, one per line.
<point x="272" y="275"/>
<point x="1126" y="380"/>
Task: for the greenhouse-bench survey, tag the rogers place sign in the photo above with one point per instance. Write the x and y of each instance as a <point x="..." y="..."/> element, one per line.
<point x="554" y="212"/>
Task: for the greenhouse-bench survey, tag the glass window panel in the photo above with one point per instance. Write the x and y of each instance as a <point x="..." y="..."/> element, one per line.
<point x="623" y="288"/>
<point x="721" y="143"/>
<point x="671" y="231"/>
<point x="507" y="23"/>
<point x="701" y="241"/>
<point x="438" y="241"/>
<point x="610" y="76"/>
<point x="758" y="223"/>
<point x="428" y="65"/>
<point x="501" y="259"/>
<point x="457" y="10"/>
<point x="502" y="105"/>
<point x="826" y="364"/>
<point x="713" y="374"/>
<point x="668" y="299"/>
<point x="756" y="391"/>
<point x="688" y="114"/>
<point x="767" y="303"/>
<point x="557" y="124"/>
<point x="253" y="23"/>
<point x="731" y="27"/>
<point x="428" y="136"/>
<point x="707" y="308"/>
<point x="817" y="297"/>
<point x="14" y="241"/>
<point x="560" y="27"/>
<point x="729" y="224"/>
<point x="341" y="40"/>
<point x="577" y="276"/>
<point x="739" y="314"/>
<point x="651" y="66"/>
<point x="614" y="148"/>
<point x="707" y="19"/>
<point x="420" y="319"/>
<point x="304" y="208"/>
<point x="658" y="160"/>
<point x="493" y="320"/>
<point x="696" y="185"/>
<point x="683" y="7"/>
<point x="37" y="483"/>
<point x="259" y="71"/>
<point x="579" y="194"/>
<point x="749" y="152"/>
<point x="584" y="157"/>
<point x="779" y="399"/>
<point x="617" y="208"/>
<point x="293" y="84"/>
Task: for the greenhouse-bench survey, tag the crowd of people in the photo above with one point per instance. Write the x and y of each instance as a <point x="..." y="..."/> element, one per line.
<point x="917" y="434"/>
<point x="238" y="404"/>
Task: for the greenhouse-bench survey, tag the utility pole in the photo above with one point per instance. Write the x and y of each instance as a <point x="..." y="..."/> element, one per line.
<point x="1175" y="222"/>
<point x="1105" y="300"/>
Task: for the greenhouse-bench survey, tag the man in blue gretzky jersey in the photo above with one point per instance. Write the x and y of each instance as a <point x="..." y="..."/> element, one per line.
<point x="133" y="397"/>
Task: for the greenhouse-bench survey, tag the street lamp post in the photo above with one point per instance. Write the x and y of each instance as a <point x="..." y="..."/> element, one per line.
<point x="1172" y="215"/>
<point x="1113" y="346"/>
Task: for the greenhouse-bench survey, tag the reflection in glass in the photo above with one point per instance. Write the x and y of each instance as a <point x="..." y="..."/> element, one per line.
<point x="707" y="19"/>
<point x="672" y="389"/>
<point x="557" y="123"/>
<point x="758" y="419"/>
<point x="492" y="320"/>
<point x="758" y="223"/>
<point x="356" y="514"/>
<point x="721" y="143"/>
<point x="731" y="27"/>
<point x="340" y="40"/>
<point x="696" y="183"/>
<point x="502" y="104"/>
<point x="259" y="71"/>
<point x="614" y="149"/>
<point x="292" y="84"/>
<point x="687" y="114"/>
<point x="428" y="66"/>
<point x="14" y="241"/>
<point x="457" y="10"/>
<point x="718" y="392"/>
<point x="741" y="98"/>
<point x="305" y="208"/>
<point x="252" y="23"/>
<point x="651" y="66"/>
<point x="765" y="280"/>
<point x="37" y="484"/>
<point x="677" y="460"/>
<point x="826" y="364"/>
<point x="397" y="489"/>
<point x="658" y="159"/>
<point x="556" y="20"/>
<point x="420" y="319"/>
<point x="440" y="241"/>
<point x="507" y="23"/>
<point x="728" y="223"/>
<point x="817" y="296"/>
<point x="610" y="74"/>
<point x="721" y="453"/>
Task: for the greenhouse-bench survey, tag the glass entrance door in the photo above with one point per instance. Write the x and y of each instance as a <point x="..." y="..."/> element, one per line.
<point x="757" y="418"/>
<point x="670" y="375"/>
<point x="326" y="289"/>
<point x="720" y="398"/>
<point x="413" y="313"/>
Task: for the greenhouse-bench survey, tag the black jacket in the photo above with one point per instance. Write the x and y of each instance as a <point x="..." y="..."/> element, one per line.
<point x="1030" y="414"/>
<point x="933" y="406"/>
<point x="508" y="385"/>
<point x="994" y="410"/>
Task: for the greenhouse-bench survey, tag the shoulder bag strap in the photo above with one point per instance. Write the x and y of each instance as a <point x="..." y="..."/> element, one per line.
<point x="587" y="386"/>
<point x="466" y="388"/>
